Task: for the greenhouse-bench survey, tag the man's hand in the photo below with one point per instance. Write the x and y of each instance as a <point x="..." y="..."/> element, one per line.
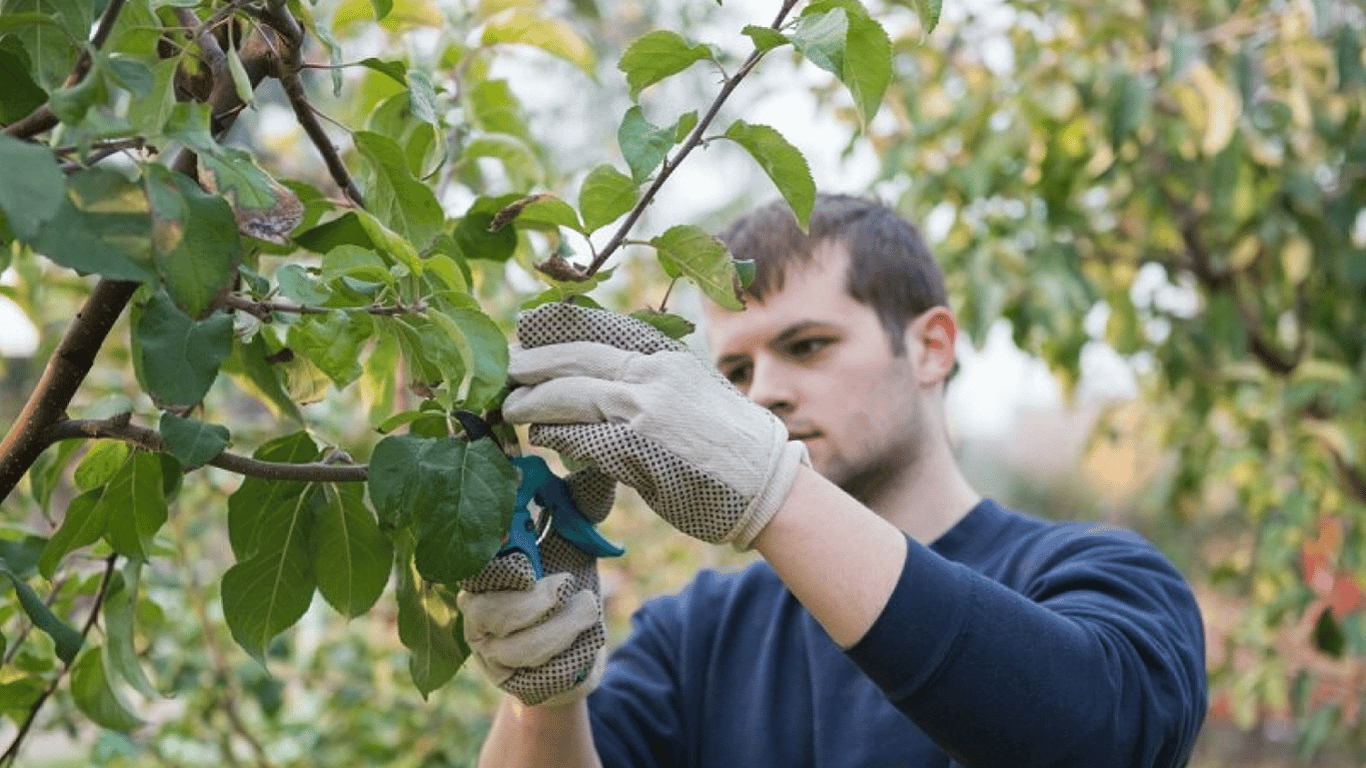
<point x="542" y="640"/>
<point x="609" y="390"/>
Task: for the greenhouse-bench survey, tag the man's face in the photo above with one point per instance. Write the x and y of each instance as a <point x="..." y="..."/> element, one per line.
<point x="823" y="363"/>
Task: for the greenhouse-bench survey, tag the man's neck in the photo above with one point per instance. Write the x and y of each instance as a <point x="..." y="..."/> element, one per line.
<point x="929" y="498"/>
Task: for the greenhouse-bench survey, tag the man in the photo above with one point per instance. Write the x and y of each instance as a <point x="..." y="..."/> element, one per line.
<point x="898" y="619"/>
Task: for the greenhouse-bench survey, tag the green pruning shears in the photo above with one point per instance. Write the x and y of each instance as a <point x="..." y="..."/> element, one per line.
<point x="548" y="491"/>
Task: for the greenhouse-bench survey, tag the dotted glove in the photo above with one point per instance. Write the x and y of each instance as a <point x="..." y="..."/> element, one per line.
<point x="541" y="640"/>
<point x="609" y="390"/>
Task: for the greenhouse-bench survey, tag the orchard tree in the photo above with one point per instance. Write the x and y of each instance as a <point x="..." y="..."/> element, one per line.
<point x="1185" y="181"/>
<point x="137" y="177"/>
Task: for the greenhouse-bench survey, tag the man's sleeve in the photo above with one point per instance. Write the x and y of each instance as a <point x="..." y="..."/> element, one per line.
<point x="1099" y="662"/>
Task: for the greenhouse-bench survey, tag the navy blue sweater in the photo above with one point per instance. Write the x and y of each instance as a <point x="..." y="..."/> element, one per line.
<point x="1008" y="642"/>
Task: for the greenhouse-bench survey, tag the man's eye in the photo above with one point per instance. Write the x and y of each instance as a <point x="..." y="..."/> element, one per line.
<point x="808" y="347"/>
<point x="738" y="375"/>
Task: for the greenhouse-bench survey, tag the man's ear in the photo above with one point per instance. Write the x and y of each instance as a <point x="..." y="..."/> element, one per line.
<point x="935" y="330"/>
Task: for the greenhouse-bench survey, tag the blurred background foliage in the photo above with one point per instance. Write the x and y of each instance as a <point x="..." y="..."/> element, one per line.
<point x="1178" y="183"/>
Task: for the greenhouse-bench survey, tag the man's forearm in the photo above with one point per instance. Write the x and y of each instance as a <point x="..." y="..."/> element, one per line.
<point x="532" y="737"/>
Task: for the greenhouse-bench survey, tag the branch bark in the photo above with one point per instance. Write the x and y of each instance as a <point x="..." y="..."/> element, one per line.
<point x="263" y="310"/>
<point x="148" y="439"/>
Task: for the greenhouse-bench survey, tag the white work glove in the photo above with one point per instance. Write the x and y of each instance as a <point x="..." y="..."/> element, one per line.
<point x="608" y="390"/>
<point x="542" y="640"/>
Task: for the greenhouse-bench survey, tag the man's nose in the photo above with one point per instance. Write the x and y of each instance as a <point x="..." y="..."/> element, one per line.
<point x="772" y="387"/>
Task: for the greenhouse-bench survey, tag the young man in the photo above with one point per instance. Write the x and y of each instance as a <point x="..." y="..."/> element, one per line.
<point x="898" y="619"/>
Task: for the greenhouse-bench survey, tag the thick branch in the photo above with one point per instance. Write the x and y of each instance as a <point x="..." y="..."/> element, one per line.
<point x="65" y="371"/>
<point x="42" y="118"/>
<point x="695" y="138"/>
<point x="12" y="753"/>
<point x="148" y="439"/>
<point x="263" y="310"/>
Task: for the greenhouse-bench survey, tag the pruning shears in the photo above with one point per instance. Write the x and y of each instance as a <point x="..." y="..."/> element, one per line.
<point x="548" y="491"/>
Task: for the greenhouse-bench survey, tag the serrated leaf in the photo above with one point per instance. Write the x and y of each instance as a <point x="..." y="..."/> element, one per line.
<point x="96" y="698"/>
<point x="458" y="495"/>
<point x="137" y="506"/>
<point x="196" y="239"/>
<point x="422" y="97"/>
<point x="333" y="342"/>
<point x="482" y="346"/>
<point x="694" y="253"/>
<point x="251" y="370"/>
<point x="100" y="463"/>
<point x="686" y="123"/>
<point x="119" y="613"/>
<point x="605" y="196"/>
<point x="820" y="38"/>
<point x="64" y="636"/>
<point x="671" y="325"/>
<point x="351" y="557"/>
<point x="643" y="144"/>
<point x="397" y="70"/>
<point x="928" y="11"/>
<point x="180" y="356"/>
<point x="547" y="209"/>
<point x="356" y="263"/>
<point x="103" y="227"/>
<point x="765" y="38"/>
<point x="253" y="500"/>
<point x="429" y="628"/>
<point x="405" y="204"/>
<point x="191" y="441"/>
<point x="85" y="521"/>
<point x="519" y="25"/>
<point x="657" y="55"/>
<point x="32" y="188"/>
<point x="782" y="162"/>
<point x="233" y="173"/>
<point x="867" y="64"/>
<point x="473" y="235"/>
<point x="387" y="241"/>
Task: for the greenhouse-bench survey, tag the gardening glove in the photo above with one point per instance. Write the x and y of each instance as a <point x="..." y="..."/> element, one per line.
<point x="609" y="390"/>
<point x="541" y="640"/>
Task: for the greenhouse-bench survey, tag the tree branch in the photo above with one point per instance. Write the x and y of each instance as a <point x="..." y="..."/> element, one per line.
<point x="118" y="428"/>
<point x="42" y="118"/>
<point x="12" y="753"/>
<point x="263" y="310"/>
<point x="695" y="138"/>
<point x="291" y="61"/>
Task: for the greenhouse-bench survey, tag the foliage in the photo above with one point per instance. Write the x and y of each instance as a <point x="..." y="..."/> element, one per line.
<point x="1184" y="181"/>
<point x="269" y="301"/>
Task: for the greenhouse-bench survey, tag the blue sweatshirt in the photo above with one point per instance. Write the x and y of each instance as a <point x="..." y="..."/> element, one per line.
<point x="1010" y="641"/>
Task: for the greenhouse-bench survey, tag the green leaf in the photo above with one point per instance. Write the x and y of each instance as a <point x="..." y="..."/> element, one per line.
<point x="867" y="64"/>
<point x="472" y="234"/>
<point x="765" y="38"/>
<point x="250" y="367"/>
<point x="333" y="342"/>
<point x="52" y="47"/>
<point x="96" y="698"/>
<point x="180" y="356"/>
<point x="429" y="628"/>
<point x="422" y="97"/>
<point x="137" y="506"/>
<point x="343" y="230"/>
<point x="547" y="210"/>
<point x="100" y="463"/>
<point x="820" y="37"/>
<point x="1328" y="634"/>
<point x="657" y="55"/>
<point x="130" y="73"/>
<point x="518" y="25"/>
<point x="382" y="8"/>
<point x="405" y="204"/>
<point x="191" y="441"/>
<point x="66" y="638"/>
<point x="643" y="144"/>
<point x="351" y="557"/>
<point x="103" y="227"/>
<point x="256" y="497"/>
<point x="19" y="94"/>
<point x="928" y="11"/>
<point x="746" y="270"/>
<point x="482" y="345"/>
<point x="671" y="325"/>
<point x="196" y="239"/>
<point x="32" y="188"/>
<point x="605" y="196"/>
<point x="241" y="82"/>
<point x="21" y="556"/>
<point x="267" y="593"/>
<point x="782" y="162"/>
<point x="694" y="253"/>
<point x="357" y="263"/>
<point x="296" y="283"/>
<point x="86" y="520"/>
<point x="458" y="494"/>
<point x="120" y="611"/>
<point x="394" y="69"/>
<point x="387" y="241"/>
<point x="686" y="122"/>
<point x="234" y="173"/>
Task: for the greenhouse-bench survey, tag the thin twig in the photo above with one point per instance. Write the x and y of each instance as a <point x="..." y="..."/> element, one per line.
<point x="43" y="118"/>
<point x="12" y="753"/>
<point x="263" y="310"/>
<point x="118" y="428"/>
<point x="667" y="168"/>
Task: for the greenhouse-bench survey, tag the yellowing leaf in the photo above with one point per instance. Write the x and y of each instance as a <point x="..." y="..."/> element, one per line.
<point x="517" y="25"/>
<point x="1223" y="108"/>
<point x="1297" y="256"/>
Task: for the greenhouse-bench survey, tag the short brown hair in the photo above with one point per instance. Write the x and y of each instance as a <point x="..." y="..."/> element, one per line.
<point x="890" y="267"/>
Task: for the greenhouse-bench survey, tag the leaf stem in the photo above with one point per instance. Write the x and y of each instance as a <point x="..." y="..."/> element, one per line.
<point x="12" y="753"/>
<point x="118" y="428"/>
<point x="667" y="168"/>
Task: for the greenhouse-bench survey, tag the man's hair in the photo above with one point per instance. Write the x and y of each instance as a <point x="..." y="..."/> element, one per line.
<point x="890" y="267"/>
